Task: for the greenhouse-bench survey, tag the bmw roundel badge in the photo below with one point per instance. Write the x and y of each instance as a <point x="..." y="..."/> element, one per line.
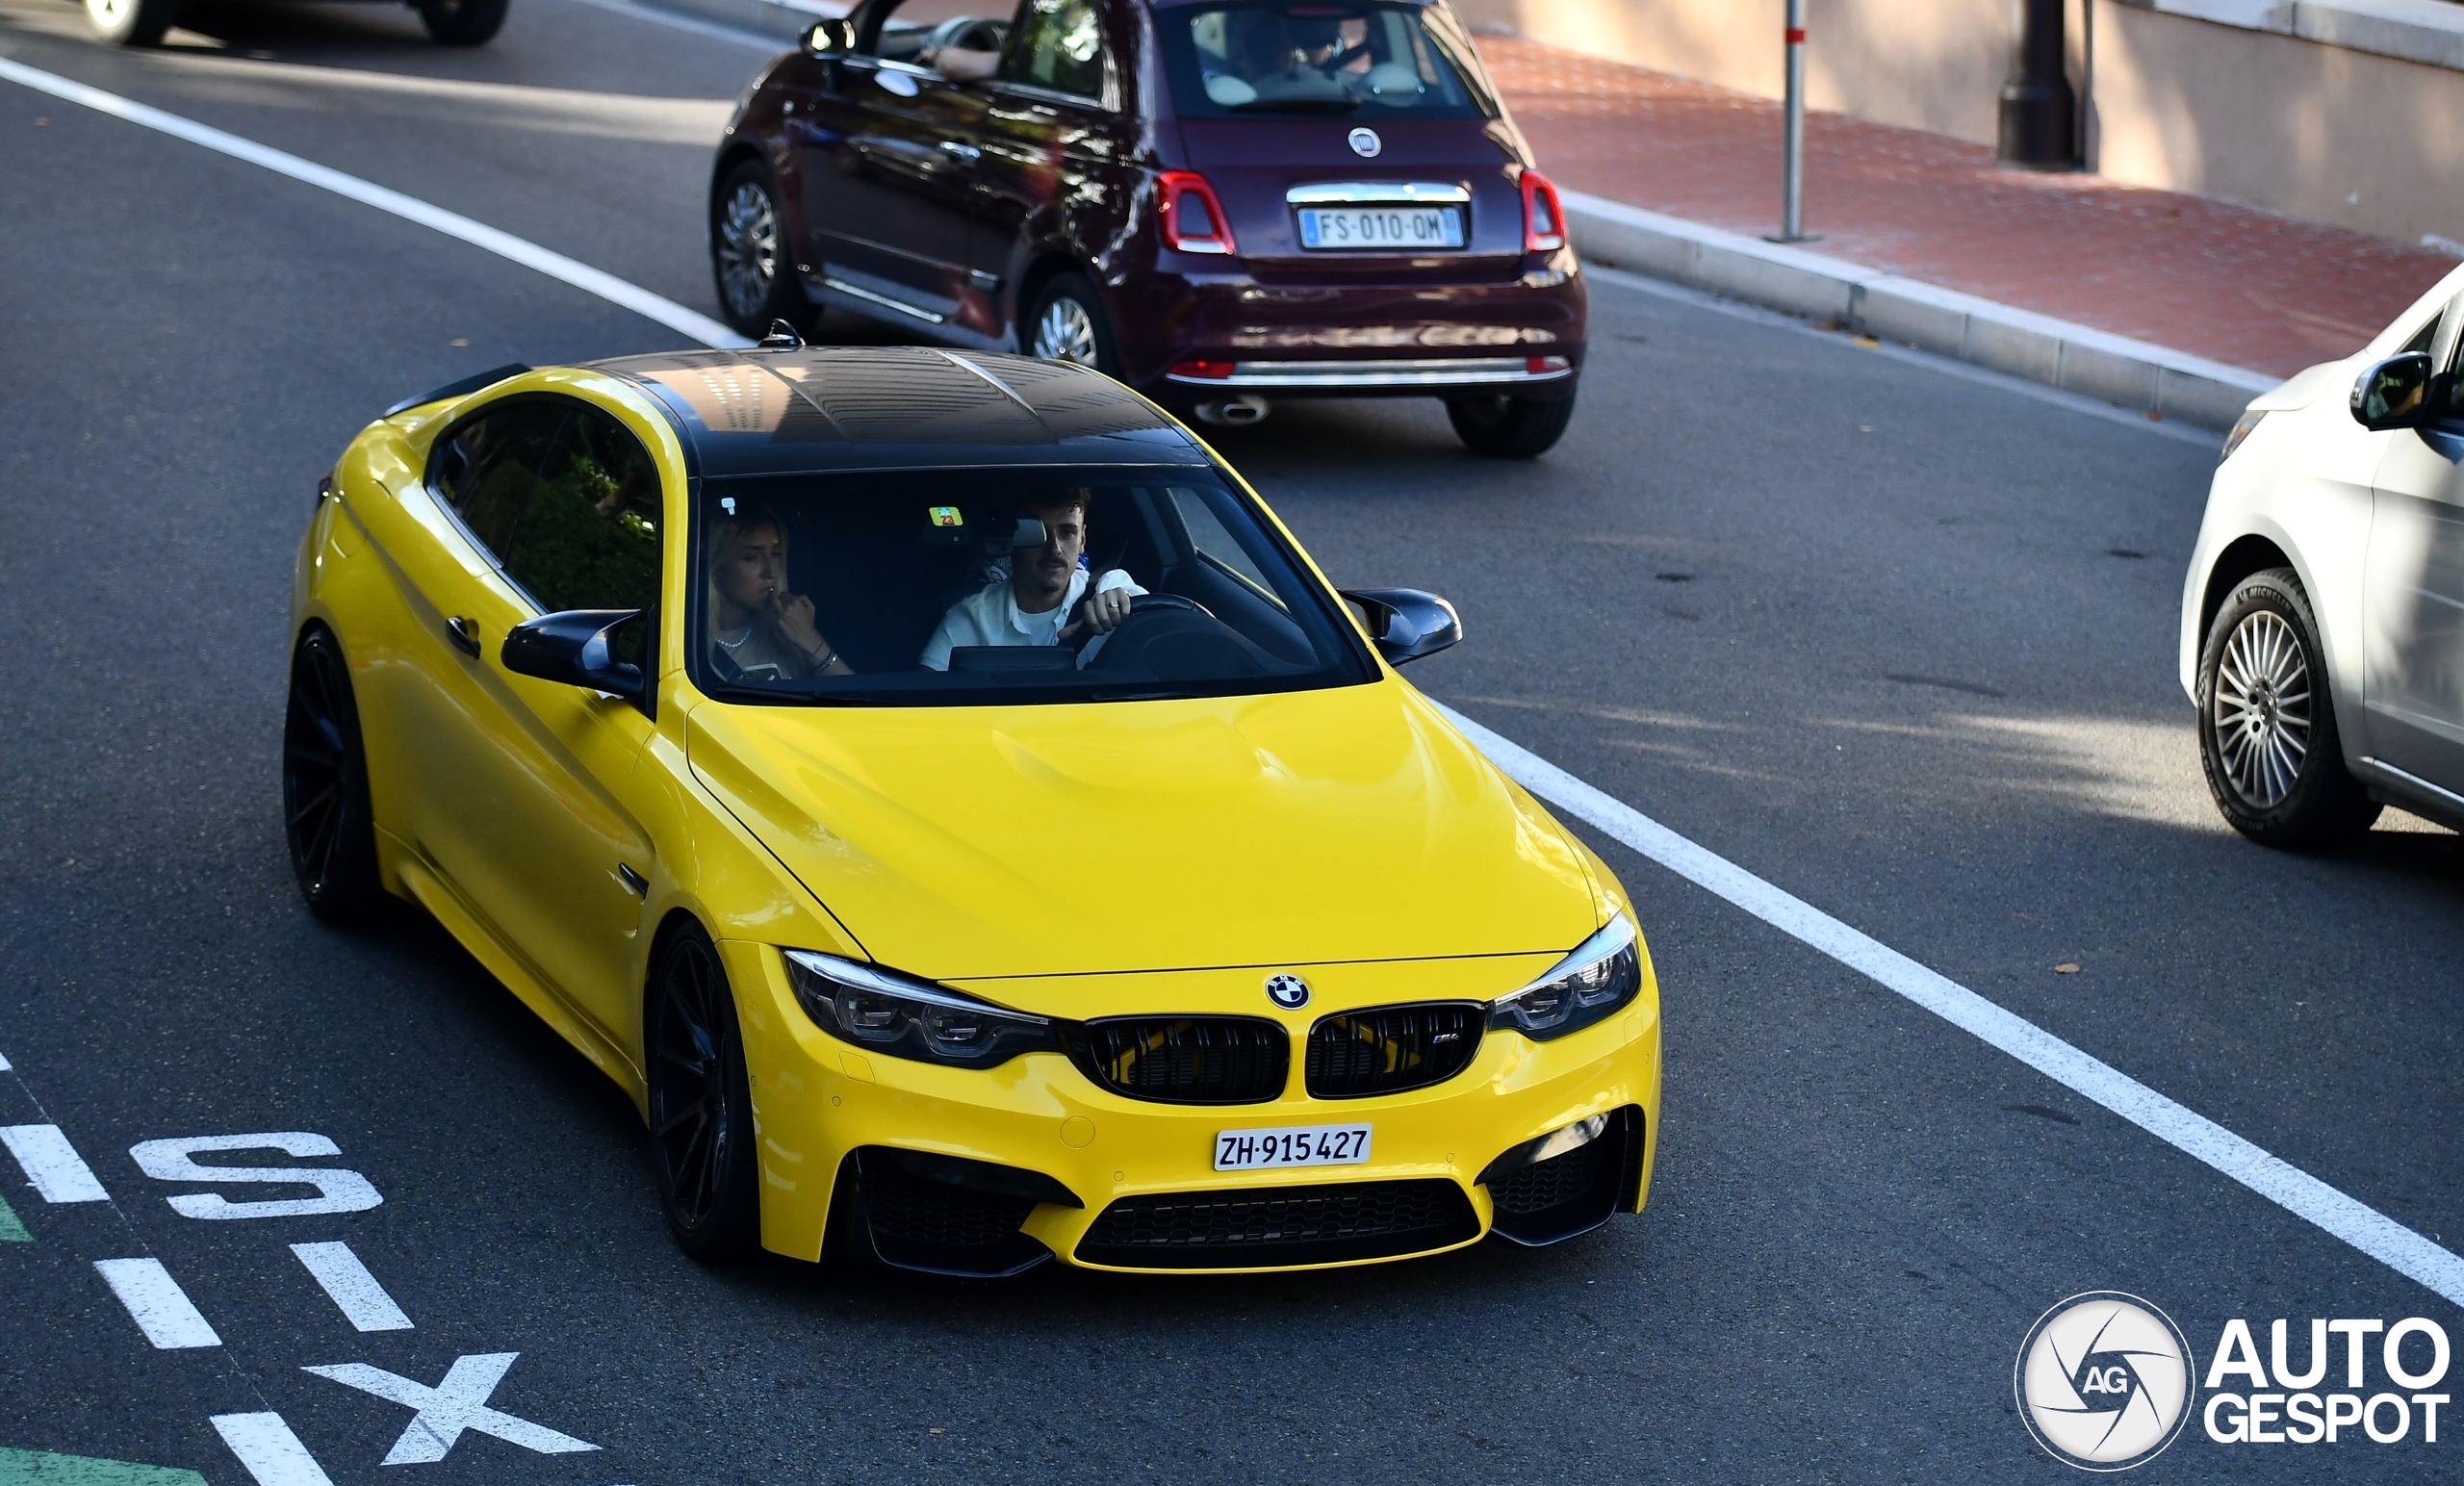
<point x="1288" y="991"/>
<point x="1366" y="143"/>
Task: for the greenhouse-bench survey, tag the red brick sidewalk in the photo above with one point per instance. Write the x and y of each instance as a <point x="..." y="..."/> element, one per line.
<point x="2239" y="286"/>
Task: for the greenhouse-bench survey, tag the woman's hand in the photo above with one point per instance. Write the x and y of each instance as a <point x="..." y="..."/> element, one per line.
<point x="792" y="613"/>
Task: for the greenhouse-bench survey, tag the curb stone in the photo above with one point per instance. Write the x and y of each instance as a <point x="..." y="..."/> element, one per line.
<point x="1945" y="322"/>
<point x="1965" y="327"/>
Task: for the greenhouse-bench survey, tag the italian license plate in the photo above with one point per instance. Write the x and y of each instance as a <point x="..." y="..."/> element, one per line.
<point x="1301" y="1146"/>
<point x="1390" y="228"/>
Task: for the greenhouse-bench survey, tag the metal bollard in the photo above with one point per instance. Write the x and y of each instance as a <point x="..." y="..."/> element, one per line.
<point x="1792" y="164"/>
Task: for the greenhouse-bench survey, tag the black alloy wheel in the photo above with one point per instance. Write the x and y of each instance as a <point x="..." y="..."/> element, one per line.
<point x="1066" y="321"/>
<point x="752" y="259"/>
<point x="132" y="22"/>
<point x="1510" y="427"/>
<point x="700" y="1103"/>
<point x="330" y="828"/>
<point x="463" y="22"/>
<point x="2267" y="721"/>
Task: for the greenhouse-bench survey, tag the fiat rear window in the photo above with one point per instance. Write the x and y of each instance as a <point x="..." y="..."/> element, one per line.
<point x="1364" y="61"/>
<point x="905" y="589"/>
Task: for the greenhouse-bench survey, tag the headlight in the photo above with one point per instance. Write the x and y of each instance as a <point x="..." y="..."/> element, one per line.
<point x="1589" y="985"/>
<point x="884" y="1011"/>
<point x="2242" y="427"/>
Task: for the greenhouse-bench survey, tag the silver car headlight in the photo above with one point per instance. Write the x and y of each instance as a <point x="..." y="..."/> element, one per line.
<point x="884" y="1011"/>
<point x="1597" y="981"/>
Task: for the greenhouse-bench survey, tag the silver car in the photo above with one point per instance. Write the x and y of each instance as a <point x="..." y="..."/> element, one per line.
<point x="2323" y="618"/>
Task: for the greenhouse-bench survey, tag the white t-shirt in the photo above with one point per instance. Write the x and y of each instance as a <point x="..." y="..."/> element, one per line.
<point x="991" y="616"/>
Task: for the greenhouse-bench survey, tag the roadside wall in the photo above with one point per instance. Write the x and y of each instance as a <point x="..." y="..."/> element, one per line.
<point x="2254" y="108"/>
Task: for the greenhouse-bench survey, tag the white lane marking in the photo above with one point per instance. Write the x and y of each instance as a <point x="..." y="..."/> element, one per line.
<point x="451" y="1407"/>
<point x="271" y="1453"/>
<point x="702" y="28"/>
<point x="1984" y="376"/>
<point x="157" y="1303"/>
<point x="2281" y="1182"/>
<point x="52" y="1163"/>
<point x="364" y="1303"/>
<point x="690" y="324"/>
<point x="4" y="1062"/>
<point x="339" y="1189"/>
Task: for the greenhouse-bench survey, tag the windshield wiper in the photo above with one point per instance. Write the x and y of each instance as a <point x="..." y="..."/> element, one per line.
<point x="1299" y="106"/>
<point x="765" y="696"/>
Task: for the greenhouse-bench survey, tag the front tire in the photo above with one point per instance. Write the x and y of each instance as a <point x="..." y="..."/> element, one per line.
<point x="132" y="22"/>
<point x="700" y="1103"/>
<point x="2267" y="721"/>
<point x="331" y="831"/>
<point x="1510" y="427"/>
<point x="751" y="261"/>
<point x="1068" y="322"/>
<point x="462" y="22"/>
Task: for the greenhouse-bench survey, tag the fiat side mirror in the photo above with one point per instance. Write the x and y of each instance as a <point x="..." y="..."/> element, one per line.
<point x="2394" y="393"/>
<point x="1406" y="624"/>
<point x="572" y="647"/>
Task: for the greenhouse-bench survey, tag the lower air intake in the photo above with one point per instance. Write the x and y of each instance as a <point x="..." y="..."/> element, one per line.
<point x="1267" y="1227"/>
<point x="918" y="1223"/>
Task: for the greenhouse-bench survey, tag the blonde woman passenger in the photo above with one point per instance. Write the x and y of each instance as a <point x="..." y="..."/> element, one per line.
<point x="760" y="632"/>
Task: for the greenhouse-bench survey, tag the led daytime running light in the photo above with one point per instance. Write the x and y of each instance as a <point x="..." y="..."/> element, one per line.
<point x="1603" y="975"/>
<point x="881" y="1011"/>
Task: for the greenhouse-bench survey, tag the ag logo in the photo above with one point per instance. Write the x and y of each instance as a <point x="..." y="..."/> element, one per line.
<point x="1365" y="144"/>
<point x="2104" y="1381"/>
<point x="1288" y="991"/>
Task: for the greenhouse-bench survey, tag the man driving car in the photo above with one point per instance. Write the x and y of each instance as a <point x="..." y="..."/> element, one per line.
<point x="1044" y="600"/>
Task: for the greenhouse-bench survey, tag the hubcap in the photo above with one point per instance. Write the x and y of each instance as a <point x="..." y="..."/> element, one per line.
<point x="748" y="249"/>
<point x="689" y="1126"/>
<point x="2262" y="712"/>
<point x="1067" y="332"/>
<point x="107" y="12"/>
<point x="313" y="793"/>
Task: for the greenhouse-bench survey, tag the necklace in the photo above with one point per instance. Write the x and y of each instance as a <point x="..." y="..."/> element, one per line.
<point x="741" y="635"/>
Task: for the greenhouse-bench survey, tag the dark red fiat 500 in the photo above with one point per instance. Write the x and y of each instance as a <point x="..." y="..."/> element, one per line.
<point x="1217" y="201"/>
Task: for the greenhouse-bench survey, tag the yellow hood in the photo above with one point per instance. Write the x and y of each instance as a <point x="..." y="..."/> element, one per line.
<point x="1300" y="828"/>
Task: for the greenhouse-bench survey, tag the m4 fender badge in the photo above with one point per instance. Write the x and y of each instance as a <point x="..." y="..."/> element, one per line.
<point x="1288" y="991"/>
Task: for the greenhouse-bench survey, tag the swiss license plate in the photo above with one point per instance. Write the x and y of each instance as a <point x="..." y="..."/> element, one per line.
<point x="1301" y="1146"/>
<point x="1390" y="228"/>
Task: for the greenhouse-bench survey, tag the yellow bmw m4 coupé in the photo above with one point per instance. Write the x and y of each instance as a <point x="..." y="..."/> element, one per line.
<point x="950" y="803"/>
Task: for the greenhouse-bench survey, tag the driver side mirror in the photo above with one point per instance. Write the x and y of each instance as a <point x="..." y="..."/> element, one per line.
<point x="572" y="647"/>
<point x="830" y="37"/>
<point x="2394" y="393"/>
<point x="1406" y="624"/>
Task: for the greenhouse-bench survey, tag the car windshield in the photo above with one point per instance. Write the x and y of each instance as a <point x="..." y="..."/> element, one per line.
<point x="1373" y="60"/>
<point x="942" y="587"/>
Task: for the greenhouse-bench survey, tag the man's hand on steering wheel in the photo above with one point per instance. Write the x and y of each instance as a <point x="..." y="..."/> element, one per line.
<point x="1101" y="614"/>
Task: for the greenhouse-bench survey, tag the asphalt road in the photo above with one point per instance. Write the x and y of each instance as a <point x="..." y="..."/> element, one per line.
<point x="1895" y="639"/>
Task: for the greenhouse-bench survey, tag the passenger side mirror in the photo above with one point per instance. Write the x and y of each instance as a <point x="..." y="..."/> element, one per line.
<point x="2394" y="393"/>
<point x="830" y="39"/>
<point x="1406" y="624"/>
<point x="572" y="647"/>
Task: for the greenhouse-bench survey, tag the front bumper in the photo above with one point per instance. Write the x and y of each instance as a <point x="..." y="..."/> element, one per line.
<point x="832" y="1121"/>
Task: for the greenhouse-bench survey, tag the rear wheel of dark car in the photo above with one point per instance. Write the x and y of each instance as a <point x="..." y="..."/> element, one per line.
<point x="1067" y="323"/>
<point x="700" y="1103"/>
<point x="463" y="22"/>
<point x="2267" y="721"/>
<point x="749" y="260"/>
<point x="330" y="828"/>
<point x="132" y="22"/>
<point x="1510" y="427"/>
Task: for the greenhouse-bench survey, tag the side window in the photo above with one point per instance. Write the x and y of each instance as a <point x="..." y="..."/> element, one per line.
<point x="1057" y="44"/>
<point x="486" y="469"/>
<point x="1213" y="543"/>
<point x="588" y="537"/>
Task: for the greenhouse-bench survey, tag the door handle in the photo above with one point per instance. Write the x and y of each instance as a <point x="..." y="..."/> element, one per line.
<point x="958" y="150"/>
<point x="464" y="634"/>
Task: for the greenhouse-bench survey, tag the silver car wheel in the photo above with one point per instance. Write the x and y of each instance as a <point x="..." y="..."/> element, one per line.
<point x="2262" y="708"/>
<point x="1067" y="332"/>
<point x="109" y="14"/>
<point x="747" y="247"/>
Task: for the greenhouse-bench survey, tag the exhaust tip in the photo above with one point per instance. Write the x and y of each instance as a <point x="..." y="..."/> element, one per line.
<point x="1234" y="412"/>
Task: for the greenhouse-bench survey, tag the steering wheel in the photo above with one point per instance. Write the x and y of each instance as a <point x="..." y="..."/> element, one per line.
<point x="1144" y="605"/>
